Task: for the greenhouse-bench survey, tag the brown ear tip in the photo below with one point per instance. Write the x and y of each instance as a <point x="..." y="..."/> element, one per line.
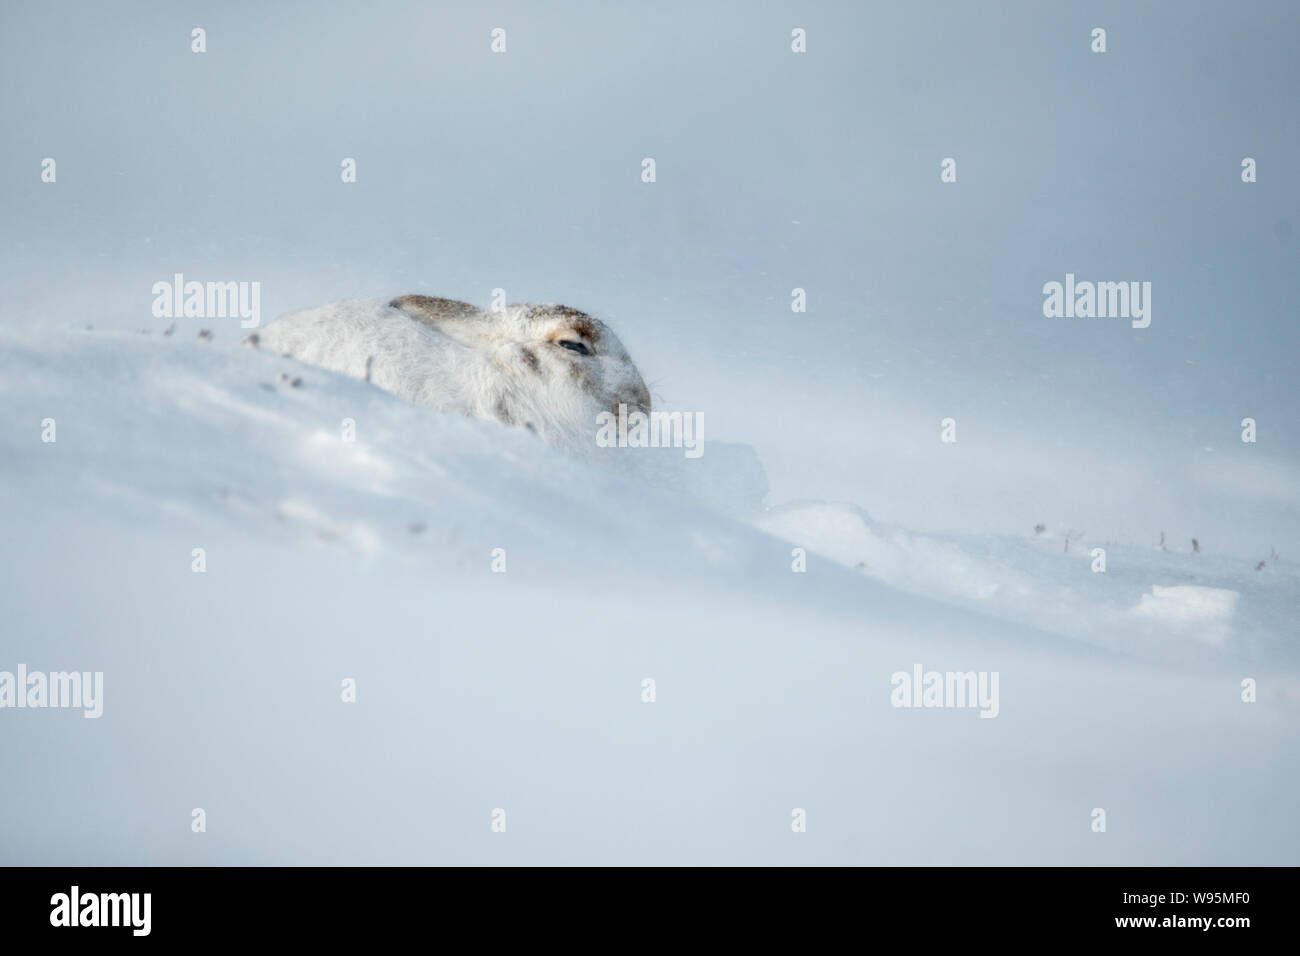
<point x="432" y="307"/>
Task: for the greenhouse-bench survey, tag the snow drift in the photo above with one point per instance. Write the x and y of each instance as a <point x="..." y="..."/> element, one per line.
<point x="523" y="689"/>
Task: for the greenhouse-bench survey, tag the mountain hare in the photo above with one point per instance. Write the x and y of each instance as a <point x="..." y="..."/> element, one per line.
<point x="547" y="368"/>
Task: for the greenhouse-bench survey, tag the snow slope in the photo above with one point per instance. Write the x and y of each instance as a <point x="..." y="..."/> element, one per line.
<point x="372" y="560"/>
<point x="1147" y="602"/>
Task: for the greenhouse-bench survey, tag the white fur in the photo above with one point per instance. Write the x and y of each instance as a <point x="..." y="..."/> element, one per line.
<point x="506" y="367"/>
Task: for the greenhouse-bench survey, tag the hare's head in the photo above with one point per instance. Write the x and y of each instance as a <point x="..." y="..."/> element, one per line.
<point x="557" y="363"/>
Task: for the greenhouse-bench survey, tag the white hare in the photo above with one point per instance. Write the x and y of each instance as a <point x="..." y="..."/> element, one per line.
<point x="547" y="368"/>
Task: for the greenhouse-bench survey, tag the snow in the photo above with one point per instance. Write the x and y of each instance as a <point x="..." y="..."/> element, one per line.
<point x="1050" y="582"/>
<point x="329" y="559"/>
<point x="521" y="690"/>
<point x="1207" y="612"/>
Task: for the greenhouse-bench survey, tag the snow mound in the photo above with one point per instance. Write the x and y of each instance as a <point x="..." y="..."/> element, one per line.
<point x="1059" y="584"/>
<point x="502" y="611"/>
<point x="1204" y="612"/>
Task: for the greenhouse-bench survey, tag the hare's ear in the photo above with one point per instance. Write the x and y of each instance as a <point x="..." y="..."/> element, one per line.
<point x="435" y="311"/>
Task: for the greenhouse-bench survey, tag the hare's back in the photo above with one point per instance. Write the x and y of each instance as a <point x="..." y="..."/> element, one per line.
<point x="347" y="336"/>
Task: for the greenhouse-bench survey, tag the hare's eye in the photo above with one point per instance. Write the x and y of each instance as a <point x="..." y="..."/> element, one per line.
<point x="574" y="346"/>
